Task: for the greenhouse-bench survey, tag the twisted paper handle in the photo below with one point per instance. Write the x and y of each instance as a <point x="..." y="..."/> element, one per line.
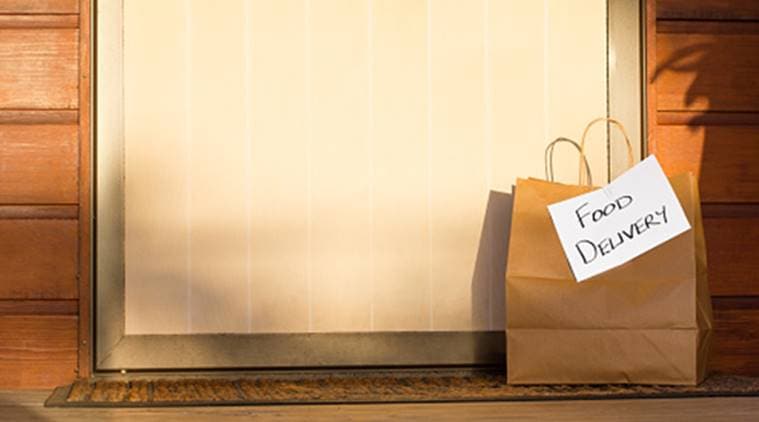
<point x="548" y="159"/>
<point x="630" y="159"/>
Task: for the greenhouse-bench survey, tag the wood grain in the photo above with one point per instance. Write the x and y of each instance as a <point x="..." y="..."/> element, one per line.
<point x="39" y="6"/>
<point x="38" y="21"/>
<point x="736" y="336"/>
<point x="38" y="307"/>
<point x="39" y="164"/>
<point x="37" y="117"/>
<point x="714" y="72"/>
<point x="707" y="118"/>
<point x="37" y="351"/>
<point x="38" y="68"/>
<point x="706" y="27"/>
<point x="84" y="293"/>
<point x="708" y="9"/>
<point x="732" y="255"/>
<point x="31" y="212"/>
<point x="38" y="259"/>
<point x="724" y="158"/>
<point x="730" y="210"/>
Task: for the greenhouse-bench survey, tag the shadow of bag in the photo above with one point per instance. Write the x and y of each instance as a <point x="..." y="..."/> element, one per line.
<point x="648" y="321"/>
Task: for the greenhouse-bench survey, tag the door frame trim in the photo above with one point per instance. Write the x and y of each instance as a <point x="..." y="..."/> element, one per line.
<point x="307" y="350"/>
<point x="115" y="351"/>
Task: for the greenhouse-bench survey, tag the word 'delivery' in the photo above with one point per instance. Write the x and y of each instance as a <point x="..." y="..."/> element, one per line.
<point x="605" y="228"/>
<point x="590" y="250"/>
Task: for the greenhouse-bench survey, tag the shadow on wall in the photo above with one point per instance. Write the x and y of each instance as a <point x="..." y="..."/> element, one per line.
<point x="213" y="304"/>
<point x="703" y="74"/>
<point x="224" y="307"/>
<point x="691" y="59"/>
<point x="708" y="76"/>
<point x="218" y="303"/>
<point x="489" y="278"/>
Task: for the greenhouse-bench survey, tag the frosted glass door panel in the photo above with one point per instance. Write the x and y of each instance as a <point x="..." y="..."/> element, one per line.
<point x="326" y="165"/>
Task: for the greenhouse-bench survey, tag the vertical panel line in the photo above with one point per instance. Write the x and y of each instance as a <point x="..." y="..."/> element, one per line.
<point x="248" y="141"/>
<point x="309" y="141"/>
<point x="546" y="96"/>
<point x="608" y="97"/>
<point x="488" y="121"/>
<point x="188" y="154"/>
<point x="370" y="153"/>
<point x="123" y="147"/>
<point x="429" y="164"/>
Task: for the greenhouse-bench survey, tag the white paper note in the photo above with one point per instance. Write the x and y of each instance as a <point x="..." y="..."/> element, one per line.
<point x="607" y="227"/>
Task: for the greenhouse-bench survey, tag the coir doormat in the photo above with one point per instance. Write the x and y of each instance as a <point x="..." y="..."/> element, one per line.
<point x="365" y="388"/>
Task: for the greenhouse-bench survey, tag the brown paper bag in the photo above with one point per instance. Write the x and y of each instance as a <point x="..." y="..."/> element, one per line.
<point x="648" y="321"/>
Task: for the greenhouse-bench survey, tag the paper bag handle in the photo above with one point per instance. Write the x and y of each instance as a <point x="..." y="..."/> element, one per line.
<point x="548" y="159"/>
<point x="616" y="122"/>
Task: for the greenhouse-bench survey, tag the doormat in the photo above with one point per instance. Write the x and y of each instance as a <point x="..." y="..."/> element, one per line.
<point x="365" y="388"/>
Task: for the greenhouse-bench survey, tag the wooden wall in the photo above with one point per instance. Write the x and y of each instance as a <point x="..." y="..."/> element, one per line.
<point x="703" y="111"/>
<point x="44" y="138"/>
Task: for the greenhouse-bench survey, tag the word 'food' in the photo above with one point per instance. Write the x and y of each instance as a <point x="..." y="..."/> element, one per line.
<point x="618" y="204"/>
